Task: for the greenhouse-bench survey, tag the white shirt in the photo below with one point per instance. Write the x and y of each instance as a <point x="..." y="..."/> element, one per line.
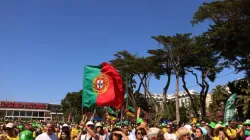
<point x="83" y="137"/>
<point x="168" y="136"/>
<point x="45" y="136"/>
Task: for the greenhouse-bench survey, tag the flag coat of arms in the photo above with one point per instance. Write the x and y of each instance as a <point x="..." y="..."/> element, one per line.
<point x="103" y="86"/>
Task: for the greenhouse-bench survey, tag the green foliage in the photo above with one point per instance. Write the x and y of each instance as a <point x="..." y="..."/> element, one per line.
<point x="230" y="33"/>
<point x="72" y="104"/>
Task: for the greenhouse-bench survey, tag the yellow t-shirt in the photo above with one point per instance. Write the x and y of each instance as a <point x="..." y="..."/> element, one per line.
<point x="74" y="132"/>
<point x="59" y="135"/>
<point x="13" y="138"/>
<point x="217" y="138"/>
<point x="34" y="134"/>
<point x="231" y="132"/>
<point x="164" y="130"/>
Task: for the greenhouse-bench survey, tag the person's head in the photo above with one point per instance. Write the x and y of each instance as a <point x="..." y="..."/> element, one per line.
<point x="10" y="129"/>
<point x="153" y="133"/>
<point x="232" y="123"/>
<point x="139" y="133"/>
<point x="99" y="128"/>
<point x="193" y="127"/>
<point x="199" y="132"/>
<point x="45" y="129"/>
<point x="247" y="125"/>
<point x="50" y="128"/>
<point x="219" y="130"/>
<point x="169" y="128"/>
<point x="65" y="135"/>
<point x="39" y="129"/>
<point x="203" y="123"/>
<point x="76" y="125"/>
<point x="91" y="125"/>
<point x="114" y="136"/>
<point x="182" y="133"/>
<point x="125" y="129"/>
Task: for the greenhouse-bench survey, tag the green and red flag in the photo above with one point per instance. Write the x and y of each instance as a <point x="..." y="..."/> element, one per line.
<point x="102" y="86"/>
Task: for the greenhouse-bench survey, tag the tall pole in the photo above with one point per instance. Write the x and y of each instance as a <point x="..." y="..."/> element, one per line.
<point x="127" y="94"/>
<point x="177" y="100"/>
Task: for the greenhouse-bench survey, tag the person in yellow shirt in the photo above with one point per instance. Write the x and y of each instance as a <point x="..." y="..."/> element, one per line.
<point x="10" y="132"/>
<point x="74" y="132"/>
<point x="220" y="132"/>
<point x="231" y="130"/>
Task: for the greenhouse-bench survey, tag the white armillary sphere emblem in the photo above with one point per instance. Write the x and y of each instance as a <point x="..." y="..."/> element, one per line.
<point x="99" y="84"/>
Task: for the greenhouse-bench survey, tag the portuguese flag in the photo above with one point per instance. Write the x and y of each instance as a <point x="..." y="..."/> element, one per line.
<point x="102" y="86"/>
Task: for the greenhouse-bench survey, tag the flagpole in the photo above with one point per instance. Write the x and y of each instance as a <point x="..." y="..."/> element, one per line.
<point x="93" y="115"/>
<point x="127" y="93"/>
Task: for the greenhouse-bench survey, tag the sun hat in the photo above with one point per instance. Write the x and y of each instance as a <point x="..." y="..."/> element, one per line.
<point x="217" y="127"/>
<point x="98" y="124"/>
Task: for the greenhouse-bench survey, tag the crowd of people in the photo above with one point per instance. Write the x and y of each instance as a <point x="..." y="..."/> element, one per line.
<point x="88" y="130"/>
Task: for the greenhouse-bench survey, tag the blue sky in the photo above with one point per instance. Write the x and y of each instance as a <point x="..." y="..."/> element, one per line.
<point x="45" y="44"/>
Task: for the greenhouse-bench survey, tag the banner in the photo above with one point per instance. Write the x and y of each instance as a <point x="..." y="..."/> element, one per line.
<point x="229" y="108"/>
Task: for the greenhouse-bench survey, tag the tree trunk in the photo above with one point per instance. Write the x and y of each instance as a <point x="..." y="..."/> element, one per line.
<point x="146" y="85"/>
<point x="189" y="95"/>
<point x="203" y="108"/>
<point x="165" y="89"/>
<point x="177" y="100"/>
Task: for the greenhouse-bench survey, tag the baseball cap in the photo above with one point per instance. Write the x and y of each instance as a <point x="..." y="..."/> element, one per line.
<point x="89" y="123"/>
<point x="65" y="125"/>
<point x="10" y="125"/>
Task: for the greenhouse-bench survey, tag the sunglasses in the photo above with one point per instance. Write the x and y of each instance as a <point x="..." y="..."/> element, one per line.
<point x="99" y="127"/>
<point x="90" y="125"/>
<point x="139" y="133"/>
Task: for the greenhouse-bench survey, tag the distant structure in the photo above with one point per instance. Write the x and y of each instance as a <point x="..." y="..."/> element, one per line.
<point x="30" y="111"/>
<point x="184" y="99"/>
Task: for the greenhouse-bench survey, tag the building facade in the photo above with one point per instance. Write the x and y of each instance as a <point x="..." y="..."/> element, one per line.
<point x="184" y="99"/>
<point x="27" y="110"/>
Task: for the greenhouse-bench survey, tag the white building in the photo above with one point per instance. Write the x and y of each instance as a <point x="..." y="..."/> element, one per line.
<point x="183" y="97"/>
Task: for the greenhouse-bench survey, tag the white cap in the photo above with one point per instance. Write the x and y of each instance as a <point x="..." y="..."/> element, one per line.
<point x="189" y="127"/>
<point x="10" y="125"/>
<point x="98" y="124"/>
<point x="89" y="123"/>
<point x="65" y="125"/>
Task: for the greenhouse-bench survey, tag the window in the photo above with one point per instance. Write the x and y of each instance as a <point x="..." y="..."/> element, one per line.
<point x="35" y="114"/>
<point x="22" y="113"/>
<point x="16" y="113"/>
<point x="41" y="114"/>
<point x="9" y="113"/>
<point x="29" y="113"/>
